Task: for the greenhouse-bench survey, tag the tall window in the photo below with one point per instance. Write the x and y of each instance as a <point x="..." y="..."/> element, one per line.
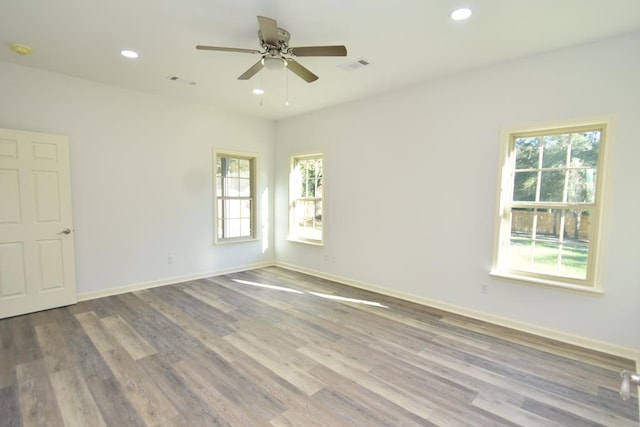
<point x="235" y="197"/>
<point x="551" y="206"/>
<point x="305" y="214"/>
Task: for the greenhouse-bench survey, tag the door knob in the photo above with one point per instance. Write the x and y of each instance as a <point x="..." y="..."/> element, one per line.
<point x="65" y="231"/>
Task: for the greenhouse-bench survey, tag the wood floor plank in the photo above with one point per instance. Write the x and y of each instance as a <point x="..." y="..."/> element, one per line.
<point x="24" y="339"/>
<point x="513" y="413"/>
<point x="115" y="407"/>
<point x="362" y="404"/>
<point x="92" y="326"/>
<point x="10" y="407"/>
<point x="77" y="406"/>
<point x="239" y="388"/>
<point x="7" y="367"/>
<point x="171" y="341"/>
<point x="128" y="338"/>
<point x="208" y="298"/>
<point x="193" y="411"/>
<point x="38" y="403"/>
<point x="300" y="407"/>
<point x="207" y="336"/>
<point x="148" y="399"/>
<point x="289" y="368"/>
<point x="199" y="382"/>
<point x="52" y="342"/>
<point x="275" y="347"/>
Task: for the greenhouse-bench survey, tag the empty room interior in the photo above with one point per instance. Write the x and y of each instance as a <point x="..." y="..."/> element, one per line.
<point x="282" y="213"/>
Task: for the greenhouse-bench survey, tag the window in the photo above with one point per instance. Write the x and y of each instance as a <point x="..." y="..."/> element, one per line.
<point x="235" y="197"/>
<point x="550" y="207"/>
<point x="305" y="213"/>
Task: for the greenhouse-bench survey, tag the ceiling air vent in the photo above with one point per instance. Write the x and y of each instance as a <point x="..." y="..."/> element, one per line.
<point x="181" y="80"/>
<point x="355" y="65"/>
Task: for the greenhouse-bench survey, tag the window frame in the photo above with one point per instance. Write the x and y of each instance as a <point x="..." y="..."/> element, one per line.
<point x="253" y="168"/>
<point x="292" y="235"/>
<point x="499" y="268"/>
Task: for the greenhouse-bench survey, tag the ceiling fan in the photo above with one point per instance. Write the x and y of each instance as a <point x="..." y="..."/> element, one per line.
<point x="276" y="52"/>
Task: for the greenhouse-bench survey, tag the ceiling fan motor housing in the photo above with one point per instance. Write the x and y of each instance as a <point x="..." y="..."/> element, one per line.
<point x="283" y="41"/>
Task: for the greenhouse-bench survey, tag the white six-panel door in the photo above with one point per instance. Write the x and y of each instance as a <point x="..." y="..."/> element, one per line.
<point x="37" y="268"/>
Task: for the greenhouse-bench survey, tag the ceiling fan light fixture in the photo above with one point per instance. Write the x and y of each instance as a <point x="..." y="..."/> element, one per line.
<point x="273" y="63"/>
<point x="461" y="14"/>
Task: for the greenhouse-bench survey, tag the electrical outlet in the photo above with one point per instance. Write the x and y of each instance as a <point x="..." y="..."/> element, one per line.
<point x="484" y="288"/>
<point x="170" y="259"/>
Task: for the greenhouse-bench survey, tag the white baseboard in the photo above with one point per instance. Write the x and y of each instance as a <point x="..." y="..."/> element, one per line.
<point x="84" y="296"/>
<point x="605" y="347"/>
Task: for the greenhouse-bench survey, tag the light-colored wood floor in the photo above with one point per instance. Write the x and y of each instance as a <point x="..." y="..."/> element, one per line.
<point x="275" y="347"/>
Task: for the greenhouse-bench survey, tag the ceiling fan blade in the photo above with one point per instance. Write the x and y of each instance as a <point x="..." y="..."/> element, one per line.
<point x="251" y="71"/>
<point x="297" y="69"/>
<point x="227" y="49"/>
<point x="269" y="30"/>
<point x="319" y="51"/>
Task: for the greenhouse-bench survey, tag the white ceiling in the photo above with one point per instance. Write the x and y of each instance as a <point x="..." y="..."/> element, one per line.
<point x="405" y="41"/>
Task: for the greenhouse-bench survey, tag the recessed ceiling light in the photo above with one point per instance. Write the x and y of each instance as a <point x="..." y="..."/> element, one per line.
<point x="257" y="91"/>
<point x="129" y="54"/>
<point x="20" y="49"/>
<point x="461" y="14"/>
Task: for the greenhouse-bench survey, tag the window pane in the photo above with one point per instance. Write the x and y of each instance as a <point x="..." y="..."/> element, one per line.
<point x="233" y="228"/>
<point x="520" y="254"/>
<point x="548" y="224"/>
<point x="220" y="228"/>
<point x="245" y="227"/>
<point x="585" y="149"/>
<point x="244" y="189"/>
<point x="555" y="151"/>
<point x="318" y="214"/>
<point x="577" y="226"/>
<point x="311" y="174"/>
<point x="574" y="261"/>
<point x="546" y="256"/>
<point x="522" y="222"/>
<point x="524" y="188"/>
<point x="581" y="186"/>
<point x="527" y="153"/>
<point x="244" y="168"/>
<point x="560" y="247"/>
<point x="233" y="167"/>
<point x="234" y="187"/>
<point x="245" y="206"/>
<point x="552" y="186"/>
<point x="309" y="214"/>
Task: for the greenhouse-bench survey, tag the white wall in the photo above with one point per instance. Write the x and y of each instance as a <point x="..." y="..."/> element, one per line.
<point x="141" y="171"/>
<point x="411" y="182"/>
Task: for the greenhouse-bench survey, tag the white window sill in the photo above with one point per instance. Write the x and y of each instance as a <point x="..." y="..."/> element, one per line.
<point x="229" y="241"/>
<point x="306" y="242"/>
<point x="548" y="282"/>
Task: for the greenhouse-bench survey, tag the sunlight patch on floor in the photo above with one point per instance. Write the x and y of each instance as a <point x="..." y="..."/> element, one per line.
<point x="317" y="294"/>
